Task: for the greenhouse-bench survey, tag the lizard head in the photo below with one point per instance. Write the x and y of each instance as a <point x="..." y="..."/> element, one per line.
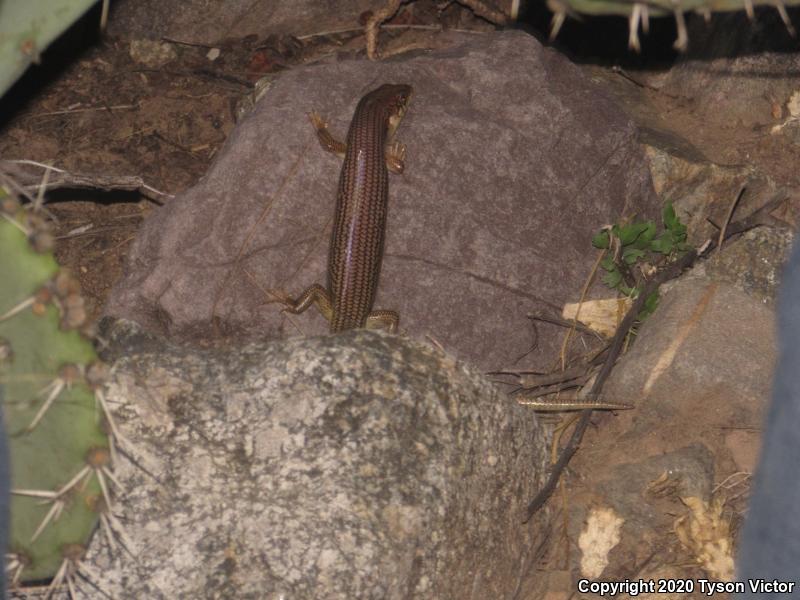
<point x="395" y="98"/>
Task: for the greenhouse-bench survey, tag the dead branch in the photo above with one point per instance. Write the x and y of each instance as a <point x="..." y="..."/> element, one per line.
<point x="479" y="7"/>
<point x="567" y="323"/>
<point x="30" y="174"/>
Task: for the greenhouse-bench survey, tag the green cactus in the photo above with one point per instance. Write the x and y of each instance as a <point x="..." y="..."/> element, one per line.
<point x="638" y="13"/>
<point x="27" y="27"/>
<point x="48" y="369"/>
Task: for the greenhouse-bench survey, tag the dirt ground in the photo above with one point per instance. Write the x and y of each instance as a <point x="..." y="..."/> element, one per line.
<point x="108" y="114"/>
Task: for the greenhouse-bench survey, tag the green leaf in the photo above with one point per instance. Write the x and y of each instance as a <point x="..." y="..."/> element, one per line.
<point x="648" y="234"/>
<point x="608" y="263"/>
<point x="652" y="301"/>
<point x="612" y="279"/>
<point x="601" y="240"/>
<point x="649" y="307"/>
<point x="631" y="255"/>
<point x="664" y="244"/>
<point x="629" y="233"/>
<point x="679" y="232"/>
<point x="671" y="220"/>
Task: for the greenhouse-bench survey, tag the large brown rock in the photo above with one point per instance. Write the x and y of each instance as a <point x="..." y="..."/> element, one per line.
<point x="514" y="160"/>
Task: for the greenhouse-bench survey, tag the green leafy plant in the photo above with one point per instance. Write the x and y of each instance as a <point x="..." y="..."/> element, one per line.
<point x="636" y="249"/>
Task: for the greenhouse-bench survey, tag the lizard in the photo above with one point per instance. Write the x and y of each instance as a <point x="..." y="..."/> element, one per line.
<point x="359" y="228"/>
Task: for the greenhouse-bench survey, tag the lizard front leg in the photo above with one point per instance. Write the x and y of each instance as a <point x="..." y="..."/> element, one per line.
<point x="395" y="152"/>
<point x="326" y="139"/>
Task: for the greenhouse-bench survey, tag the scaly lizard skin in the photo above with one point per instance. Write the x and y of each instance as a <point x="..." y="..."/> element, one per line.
<point x="356" y="251"/>
<point x="556" y="405"/>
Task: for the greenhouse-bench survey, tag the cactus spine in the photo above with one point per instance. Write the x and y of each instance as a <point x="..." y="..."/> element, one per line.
<point x="639" y="13"/>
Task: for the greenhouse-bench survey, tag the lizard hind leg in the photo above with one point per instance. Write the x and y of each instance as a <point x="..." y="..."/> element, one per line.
<point x="315" y="294"/>
<point x="383" y="319"/>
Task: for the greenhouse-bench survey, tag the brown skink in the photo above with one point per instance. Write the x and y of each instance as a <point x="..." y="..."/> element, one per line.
<point x="356" y="250"/>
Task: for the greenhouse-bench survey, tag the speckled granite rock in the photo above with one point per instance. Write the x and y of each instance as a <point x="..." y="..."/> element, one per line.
<point x="753" y="262"/>
<point x="361" y="466"/>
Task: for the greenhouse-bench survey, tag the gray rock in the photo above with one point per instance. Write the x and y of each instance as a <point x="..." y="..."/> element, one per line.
<point x="709" y="349"/>
<point x="703" y="191"/>
<point x="753" y="262"/>
<point x="361" y="466"/>
<point x="699" y="376"/>
<point x="514" y="160"/>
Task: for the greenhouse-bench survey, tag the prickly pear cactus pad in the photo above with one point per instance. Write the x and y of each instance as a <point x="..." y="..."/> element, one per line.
<point x="27" y="27"/>
<point x="639" y="13"/>
<point x="57" y="444"/>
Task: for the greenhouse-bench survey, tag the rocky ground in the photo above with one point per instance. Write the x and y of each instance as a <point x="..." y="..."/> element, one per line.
<point x="656" y="492"/>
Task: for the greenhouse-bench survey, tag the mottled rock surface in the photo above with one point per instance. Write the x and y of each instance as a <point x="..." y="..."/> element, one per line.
<point x="699" y="375"/>
<point x="362" y="466"/>
<point x="515" y="159"/>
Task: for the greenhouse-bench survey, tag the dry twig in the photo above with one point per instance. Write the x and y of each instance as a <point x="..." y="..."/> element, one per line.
<point x="374" y="22"/>
<point x="30" y="179"/>
<point x="479" y="7"/>
<point x="728" y="217"/>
